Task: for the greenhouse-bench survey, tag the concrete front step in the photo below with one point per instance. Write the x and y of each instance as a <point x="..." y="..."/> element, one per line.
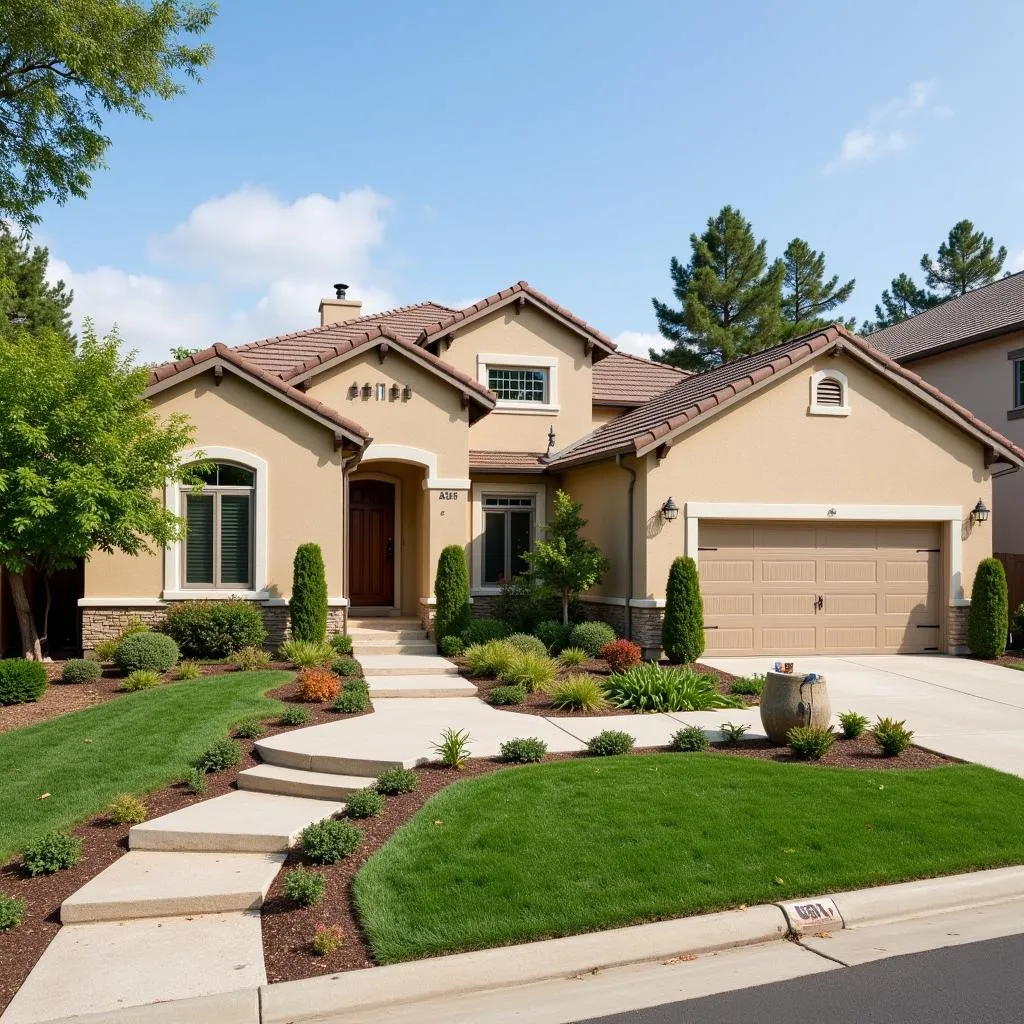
<point x="146" y="884"/>
<point x="272" y="778"/>
<point x="420" y="650"/>
<point x="283" y="751"/>
<point x="407" y="665"/>
<point x="420" y="686"/>
<point x="239" y="822"/>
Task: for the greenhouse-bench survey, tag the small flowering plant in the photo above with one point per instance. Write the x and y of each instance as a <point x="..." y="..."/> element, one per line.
<point x="327" y="939"/>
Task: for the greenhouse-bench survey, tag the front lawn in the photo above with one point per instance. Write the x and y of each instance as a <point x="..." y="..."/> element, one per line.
<point x="580" y="845"/>
<point x="130" y="745"/>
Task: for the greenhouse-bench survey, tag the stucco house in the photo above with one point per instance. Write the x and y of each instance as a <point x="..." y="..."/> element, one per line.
<point x="825" y="490"/>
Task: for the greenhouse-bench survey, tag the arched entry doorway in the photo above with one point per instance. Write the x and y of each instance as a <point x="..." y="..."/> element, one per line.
<point x="372" y="543"/>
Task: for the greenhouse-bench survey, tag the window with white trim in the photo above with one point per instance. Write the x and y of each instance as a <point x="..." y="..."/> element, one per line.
<point x="508" y="525"/>
<point x="1018" y="384"/>
<point x="828" y="394"/>
<point x="217" y="552"/>
<point x="518" y="384"/>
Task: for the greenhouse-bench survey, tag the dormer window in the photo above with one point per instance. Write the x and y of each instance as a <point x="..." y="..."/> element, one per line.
<point x="829" y="394"/>
<point x="522" y="383"/>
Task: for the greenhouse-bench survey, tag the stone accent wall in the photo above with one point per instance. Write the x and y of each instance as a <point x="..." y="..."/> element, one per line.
<point x="428" y="612"/>
<point x="485" y="606"/>
<point x="646" y="623"/>
<point x="956" y="629"/>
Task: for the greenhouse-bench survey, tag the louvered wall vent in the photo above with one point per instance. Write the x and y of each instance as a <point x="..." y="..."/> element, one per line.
<point x="829" y="392"/>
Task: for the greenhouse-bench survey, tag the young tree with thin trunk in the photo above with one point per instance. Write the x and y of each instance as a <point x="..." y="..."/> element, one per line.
<point x="83" y="459"/>
<point x="967" y="260"/>
<point x="807" y="296"/>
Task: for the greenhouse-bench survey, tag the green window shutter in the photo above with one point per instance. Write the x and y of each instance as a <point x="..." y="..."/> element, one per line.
<point x="234" y="539"/>
<point x="199" y="539"/>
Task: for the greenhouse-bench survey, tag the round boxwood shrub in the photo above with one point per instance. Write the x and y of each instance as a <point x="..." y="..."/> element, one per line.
<point x="504" y="696"/>
<point x="80" y="670"/>
<point x="688" y="740"/>
<point x="682" y="629"/>
<point x="395" y="781"/>
<point x="51" y="853"/>
<point x="308" y="606"/>
<point x="610" y="742"/>
<point x="527" y="643"/>
<point x="988" y="616"/>
<point x="342" y="643"/>
<point x="328" y="841"/>
<point x="214" y="629"/>
<point x="451" y="589"/>
<point x="12" y="909"/>
<point x="347" y="667"/>
<point x="523" y="750"/>
<point x="223" y="754"/>
<point x="451" y="646"/>
<point x="306" y="888"/>
<point x="553" y="634"/>
<point x="591" y="636"/>
<point x="364" y="803"/>
<point x="21" y="681"/>
<point x="353" y="699"/>
<point x="482" y="631"/>
<point x="156" y="652"/>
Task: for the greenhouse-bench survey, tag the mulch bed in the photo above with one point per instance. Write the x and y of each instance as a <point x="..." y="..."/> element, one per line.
<point x="1011" y="659"/>
<point x="103" y="843"/>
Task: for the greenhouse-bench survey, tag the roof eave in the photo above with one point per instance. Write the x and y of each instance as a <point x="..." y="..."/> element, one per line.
<point x="950" y="346"/>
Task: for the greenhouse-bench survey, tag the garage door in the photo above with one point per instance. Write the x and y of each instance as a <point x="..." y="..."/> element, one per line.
<point x="790" y="588"/>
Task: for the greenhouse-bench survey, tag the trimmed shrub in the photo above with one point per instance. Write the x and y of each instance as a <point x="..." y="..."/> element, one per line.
<point x="12" y="910"/>
<point x="80" y="670"/>
<point x="140" y="679"/>
<point x="328" y="841"/>
<point x="527" y="643"/>
<point x="22" y="681"/>
<point x="988" y="616"/>
<point x="156" y="652"/>
<point x="364" y="803"/>
<point x="189" y="670"/>
<point x="482" y="631"/>
<point x="733" y="732"/>
<point x="682" y="628"/>
<point x="195" y="781"/>
<point x="534" y="672"/>
<point x="451" y="646"/>
<point x="747" y="686"/>
<point x="347" y="667"/>
<point x="591" y="636"/>
<point x="327" y="939"/>
<point x="505" y="696"/>
<point x="213" y="629"/>
<point x="250" y="659"/>
<point x="342" y="643"/>
<point x="395" y="781"/>
<point x="648" y="687"/>
<point x="578" y="693"/>
<point x="891" y="736"/>
<point x="573" y="656"/>
<point x="294" y="714"/>
<point x="306" y="888"/>
<point x="521" y="604"/>
<point x="810" y="742"/>
<point x="219" y="756"/>
<point x="317" y="685"/>
<point x="691" y="739"/>
<point x="51" y="853"/>
<point x="489" y="659"/>
<point x="308" y="604"/>
<point x="853" y="724"/>
<point x="552" y="634"/>
<point x="453" y="748"/>
<point x="126" y="809"/>
<point x="1017" y="627"/>
<point x="353" y="699"/>
<point x="610" y="742"/>
<point x="250" y="729"/>
<point x="523" y="750"/>
<point x="451" y="589"/>
<point x="305" y="653"/>
<point x="621" y="655"/>
<point x="104" y="650"/>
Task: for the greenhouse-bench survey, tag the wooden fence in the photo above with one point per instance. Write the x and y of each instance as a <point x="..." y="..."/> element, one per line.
<point x="1014" y="566"/>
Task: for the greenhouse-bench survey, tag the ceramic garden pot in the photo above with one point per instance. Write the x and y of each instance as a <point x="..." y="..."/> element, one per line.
<point x="788" y="699"/>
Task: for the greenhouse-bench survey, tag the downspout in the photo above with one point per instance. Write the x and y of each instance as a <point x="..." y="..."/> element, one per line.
<point x="630" y="542"/>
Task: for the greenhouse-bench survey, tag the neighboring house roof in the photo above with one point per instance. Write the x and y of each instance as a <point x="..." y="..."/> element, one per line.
<point x="506" y="462"/>
<point x="705" y="394"/>
<point x="521" y="291"/>
<point x="624" y="380"/>
<point x="984" y="313"/>
<point x="220" y="357"/>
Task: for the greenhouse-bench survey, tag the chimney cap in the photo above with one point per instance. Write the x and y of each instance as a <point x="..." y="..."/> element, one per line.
<point x="340" y="290"/>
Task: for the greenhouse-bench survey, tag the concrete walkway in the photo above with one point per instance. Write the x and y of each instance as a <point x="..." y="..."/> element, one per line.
<point x="964" y="708"/>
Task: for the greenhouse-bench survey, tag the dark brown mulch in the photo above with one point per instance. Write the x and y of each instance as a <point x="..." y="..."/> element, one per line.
<point x="862" y="752"/>
<point x="103" y="843"/>
<point x="1011" y="659"/>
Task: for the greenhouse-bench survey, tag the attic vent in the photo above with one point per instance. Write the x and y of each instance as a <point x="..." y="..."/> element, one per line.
<point x="829" y="392"/>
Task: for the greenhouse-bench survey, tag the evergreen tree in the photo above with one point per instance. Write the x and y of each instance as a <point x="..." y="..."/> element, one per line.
<point x="729" y="297"/>
<point x="27" y="301"/>
<point x="988" y="616"/>
<point x="682" y="628"/>
<point x="451" y="591"/>
<point x="904" y="300"/>
<point x="966" y="260"/>
<point x="308" y="604"/>
<point x="807" y="296"/>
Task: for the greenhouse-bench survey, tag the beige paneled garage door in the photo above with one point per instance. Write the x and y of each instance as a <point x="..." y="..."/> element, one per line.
<point x="790" y="588"/>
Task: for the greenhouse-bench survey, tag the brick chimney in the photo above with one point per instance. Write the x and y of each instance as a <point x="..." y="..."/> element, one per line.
<point x="339" y="310"/>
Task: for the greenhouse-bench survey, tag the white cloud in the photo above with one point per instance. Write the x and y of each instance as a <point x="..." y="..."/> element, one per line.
<point x="638" y="343"/>
<point x="239" y="267"/>
<point x="882" y="134"/>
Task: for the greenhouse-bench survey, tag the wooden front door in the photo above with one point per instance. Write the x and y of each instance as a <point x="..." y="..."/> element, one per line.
<point x="371" y="544"/>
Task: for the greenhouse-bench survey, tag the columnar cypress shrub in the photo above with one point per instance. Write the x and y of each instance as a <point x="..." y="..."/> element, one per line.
<point x="988" y="618"/>
<point x="308" y="605"/>
<point x="451" y="589"/>
<point x="682" y="629"/>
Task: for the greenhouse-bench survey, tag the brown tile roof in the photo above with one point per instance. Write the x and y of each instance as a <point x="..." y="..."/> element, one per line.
<point x="987" y="312"/>
<point x="160" y="377"/>
<point x="506" y="462"/>
<point x="621" y="379"/>
<point x="443" y="326"/>
<point x="702" y="394"/>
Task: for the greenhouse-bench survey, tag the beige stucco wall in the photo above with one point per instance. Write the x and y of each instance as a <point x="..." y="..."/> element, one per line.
<point x="433" y="419"/>
<point x="890" y="450"/>
<point x="529" y="333"/>
<point x="304" y="481"/>
<point x="980" y="377"/>
<point x="603" y="414"/>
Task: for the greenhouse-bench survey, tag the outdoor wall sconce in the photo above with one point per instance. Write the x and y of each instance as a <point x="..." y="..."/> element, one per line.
<point x="394" y="392"/>
<point x="407" y="392"/>
<point x="353" y="391"/>
<point x="367" y="390"/>
<point x="670" y="510"/>
<point x="980" y="512"/>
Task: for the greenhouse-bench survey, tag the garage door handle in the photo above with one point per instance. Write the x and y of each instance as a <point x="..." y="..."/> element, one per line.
<point x="819" y="603"/>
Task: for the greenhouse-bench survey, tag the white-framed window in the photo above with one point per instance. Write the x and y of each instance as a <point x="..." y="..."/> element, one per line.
<point x="217" y="552"/>
<point x="518" y="384"/>
<point x="1018" y="384"/>
<point x="829" y="394"/>
<point x="508" y="532"/>
<point x="522" y="383"/>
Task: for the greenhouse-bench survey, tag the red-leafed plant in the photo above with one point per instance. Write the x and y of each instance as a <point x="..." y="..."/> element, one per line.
<point x="317" y="685"/>
<point x="621" y="655"/>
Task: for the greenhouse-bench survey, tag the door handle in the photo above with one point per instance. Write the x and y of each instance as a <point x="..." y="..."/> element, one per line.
<point x="390" y="547"/>
<point x="819" y="603"/>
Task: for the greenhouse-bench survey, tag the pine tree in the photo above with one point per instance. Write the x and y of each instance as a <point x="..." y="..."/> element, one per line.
<point x="903" y="301"/>
<point x="966" y="260"/>
<point x="729" y="296"/>
<point x="807" y="295"/>
<point x="27" y="300"/>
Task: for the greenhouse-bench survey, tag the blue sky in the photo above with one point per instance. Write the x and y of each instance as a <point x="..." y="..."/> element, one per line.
<point x="444" y="150"/>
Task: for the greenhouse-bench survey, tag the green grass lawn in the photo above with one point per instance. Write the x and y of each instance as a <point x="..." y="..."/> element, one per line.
<point x="129" y="745"/>
<point x="577" y="846"/>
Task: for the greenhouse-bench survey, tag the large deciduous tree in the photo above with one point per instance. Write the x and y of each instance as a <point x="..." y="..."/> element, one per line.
<point x="63" y="66"/>
<point x="27" y="300"/>
<point x="729" y="296"/>
<point x="807" y="296"/>
<point x="83" y="459"/>
<point x="965" y="261"/>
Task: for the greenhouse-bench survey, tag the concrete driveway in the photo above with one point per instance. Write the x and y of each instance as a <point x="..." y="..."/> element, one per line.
<point x="963" y="708"/>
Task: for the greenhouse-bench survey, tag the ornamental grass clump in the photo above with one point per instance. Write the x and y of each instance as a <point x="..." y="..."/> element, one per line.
<point x="153" y="652"/>
<point x="810" y="742"/>
<point x="80" y="670"/>
<point x="250" y="659"/>
<point x="690" y="739"/>
<point x="305" y="653"/>
<point x="534" y="672"/>
<point x="733" y="732"/>
<point x="329" y="841"/>
<point x="649" y="688"/>
<point x="488" y="659"/>
<point x="189" y="670"/>
<point x="53" y="852"/>
<point x="621" y="655"/>
<point x="747" y="686"/>
<point x="570" y="657"/>
<point x="610" y="742"/>
<point x="364" y="803"/>
<point x="578" y="693"/>
<point x="308" y="605"/>
<point x="317" y="685"/>
<point x="304" y="887"/>
<point x="453" y="748"/>
<point x="126" y="809"/>
<point x="140" y="679"/>
<point x="22" y="681"/>
<point x="395" y="781"/>
<point x="523" y="750"/>
<point x="892" y="737"/>
<point x="591" y="636"/>
<point x="853" y="724"/>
